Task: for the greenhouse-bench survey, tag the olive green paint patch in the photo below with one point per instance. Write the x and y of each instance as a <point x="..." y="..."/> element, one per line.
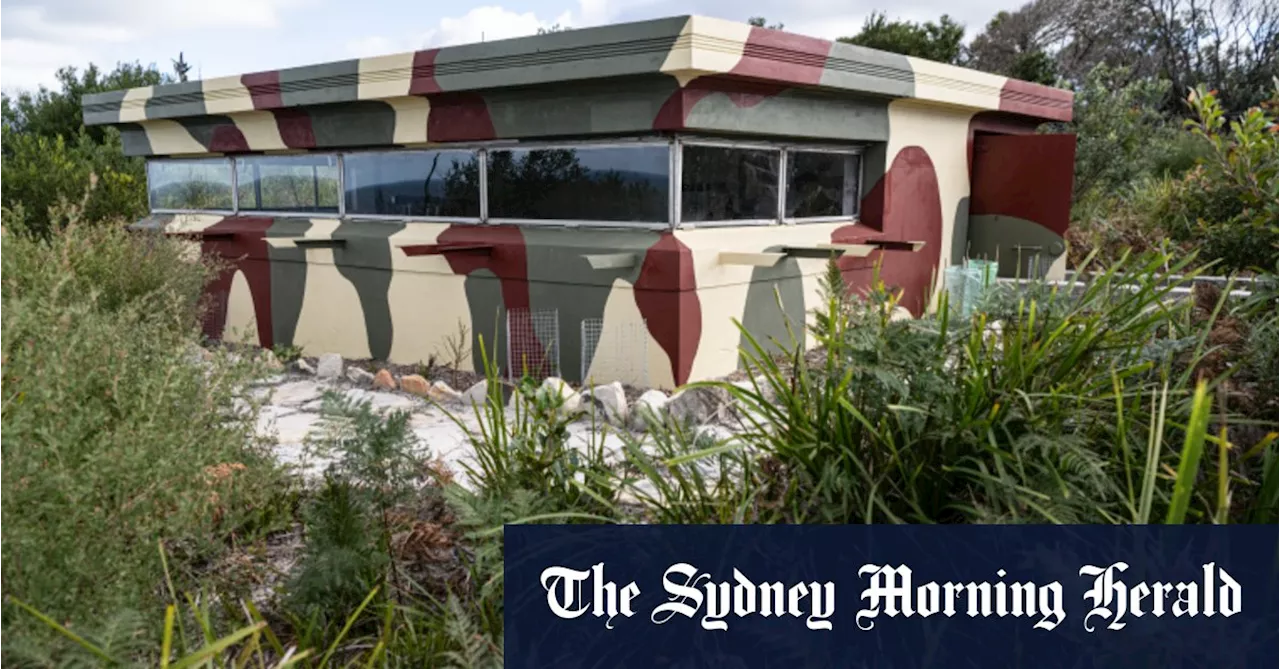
<point x="364" y="259"/>
<point x="288" y="279"/>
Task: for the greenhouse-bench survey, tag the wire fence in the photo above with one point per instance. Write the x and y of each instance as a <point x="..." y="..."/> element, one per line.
<point x="533" y="343"/>
<point x="618" y="353"/>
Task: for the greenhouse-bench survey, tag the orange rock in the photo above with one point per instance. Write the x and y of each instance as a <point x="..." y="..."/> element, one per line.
<point x="383" y="379"/>
<point x="414" y="383"/>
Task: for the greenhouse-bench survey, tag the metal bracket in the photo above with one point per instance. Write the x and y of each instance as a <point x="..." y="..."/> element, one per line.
<point x="750" y="259"/>
<point x="412" y="250"/>
<point x="611" y="260"/>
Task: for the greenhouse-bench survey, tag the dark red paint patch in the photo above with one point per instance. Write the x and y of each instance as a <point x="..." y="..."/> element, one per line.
<point x="905" y="206"/>
<point x="1024" y="176"/>
<point x="999" y="123"/>
<point x="674" y="113"/>
<point x="779" y="56"/>
<point x="264" y="89"/>
<point x="295" y="128"/>
<point x="241" y="243"/>
<point x="458" y="117"/>
<point x="423" y="78"/>
<point x="1047" y="102"/>
<point x="666" y="294"/>
<point x="227" y="138"/>
<point x="506" y="258"/>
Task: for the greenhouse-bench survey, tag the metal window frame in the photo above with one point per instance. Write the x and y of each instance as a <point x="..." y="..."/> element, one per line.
<point x="166" y="210"/>
<point x="277" y="213"/>
<point x="677" y="219"/>
<point x="675" y="146"/>
<point x="857" y="204"/>
<point x="476" y="150"/>
<point x="602" y="143"/>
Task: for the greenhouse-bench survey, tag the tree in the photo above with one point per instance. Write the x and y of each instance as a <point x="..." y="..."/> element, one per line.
<point x="941" y="41"/>
<point x="181" y="67"/>
<point x="50" y="156"/>
<point x="57" y="113"/>
<point x="759" y="22"/>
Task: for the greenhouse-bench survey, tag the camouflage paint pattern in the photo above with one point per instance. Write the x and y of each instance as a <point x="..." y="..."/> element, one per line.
<point x="951" y="168"/>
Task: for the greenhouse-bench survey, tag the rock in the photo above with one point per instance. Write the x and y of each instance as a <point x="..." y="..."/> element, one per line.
<point x="613" y="401"/>
<point x="296" y="393"/>
<point x="441" y="393"/>
<point x="414" y="383"/>
<point x="384" y="380"/>
<point x="329" y="366"/>
<point x="303" y="366"/>
<point x="359" y="376"/>
<point x="698" y="405"/>
<point x="270" y="361"/>
<point x="900" y="314"/>
<point x="477" y="394"/>
<point x="649" y="406"/>
<point x="560" y="394"/>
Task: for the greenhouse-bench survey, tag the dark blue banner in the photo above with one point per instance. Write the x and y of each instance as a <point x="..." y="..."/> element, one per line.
<point x="900" y="597"/>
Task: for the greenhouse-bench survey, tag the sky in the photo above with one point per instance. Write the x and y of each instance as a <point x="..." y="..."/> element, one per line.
<point x="228" y="37"/>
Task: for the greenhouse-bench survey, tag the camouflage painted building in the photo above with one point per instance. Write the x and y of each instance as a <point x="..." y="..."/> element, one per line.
<point x="601" y="202"/>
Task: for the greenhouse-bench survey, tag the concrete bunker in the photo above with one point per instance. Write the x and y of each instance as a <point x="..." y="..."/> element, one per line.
<point x="598" y="204"/>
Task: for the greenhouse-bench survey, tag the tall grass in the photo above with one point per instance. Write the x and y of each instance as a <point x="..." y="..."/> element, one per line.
<point x="1044" y="407"/>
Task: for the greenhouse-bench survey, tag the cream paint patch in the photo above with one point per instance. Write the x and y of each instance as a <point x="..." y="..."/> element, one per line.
<point x="936" y="82"/>
<point x="943" y="134"/>
<point x="428" y="301"/>
<point x="133" y="107"/>
<point x="625" y="351"/>
<point x="706" y="46"/>
<point x="242" y="322"/>
<point x="260" y="130"/>
<point x="169" y="138"/>
<point x="385" y="76"/>
<point x="185" y="223"/>
<point x="226" y="95"/>
<point x="411" y="119"/>
<point x="332" y="318"/>
<point x="723" y="288"/>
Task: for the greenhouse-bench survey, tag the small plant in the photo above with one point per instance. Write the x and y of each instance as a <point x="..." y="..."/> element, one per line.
<point x="286" y="353"/>
<point x="528" y="448"/>
<point x="457" y="348"/>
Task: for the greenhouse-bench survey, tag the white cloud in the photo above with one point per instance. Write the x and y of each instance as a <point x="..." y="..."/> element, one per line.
<point x="487" y="24"/>
<point x="29" y="63"/>
<point x="40" y="38"/>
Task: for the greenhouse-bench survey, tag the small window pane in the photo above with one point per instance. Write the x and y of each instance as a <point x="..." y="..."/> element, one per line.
<point x="304" y="183"/>
<point x="190" y="184"/>
<point x="821" y="184"/>
<point x="581" y="184"/>
<point x="726" y="184"/>
<point x="413" y="183"/>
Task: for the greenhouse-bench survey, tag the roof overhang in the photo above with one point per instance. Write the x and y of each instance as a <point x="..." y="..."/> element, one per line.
<point x="686" y="48"/>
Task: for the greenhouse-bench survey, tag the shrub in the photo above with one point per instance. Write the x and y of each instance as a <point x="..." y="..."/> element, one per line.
<point x="1044" y="407"/>
<point x="1228" y="204"/>
<point x="113" y="437"/>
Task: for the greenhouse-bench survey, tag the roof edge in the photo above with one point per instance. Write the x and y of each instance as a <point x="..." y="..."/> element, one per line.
<point x="684" y="47"/>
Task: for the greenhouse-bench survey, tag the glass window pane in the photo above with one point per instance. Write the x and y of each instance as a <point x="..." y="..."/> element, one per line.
<point x="413" y="183"/>
<point x="304" y="183"/>
<point x="726" y="184"/>
<point x="581" y="183"/>
<point x="821" y="184"/>
<point x="190" y="184"/>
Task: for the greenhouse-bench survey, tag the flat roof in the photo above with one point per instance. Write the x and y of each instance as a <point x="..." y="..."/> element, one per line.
<point x="687" y="48"/>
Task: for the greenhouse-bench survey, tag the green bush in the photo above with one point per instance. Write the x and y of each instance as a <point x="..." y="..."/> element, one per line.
<point x="43" y="172"/>
<point x="1044" y="407"/>
<point x="114" y="437"/>
<point x="1228" y="205"/>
